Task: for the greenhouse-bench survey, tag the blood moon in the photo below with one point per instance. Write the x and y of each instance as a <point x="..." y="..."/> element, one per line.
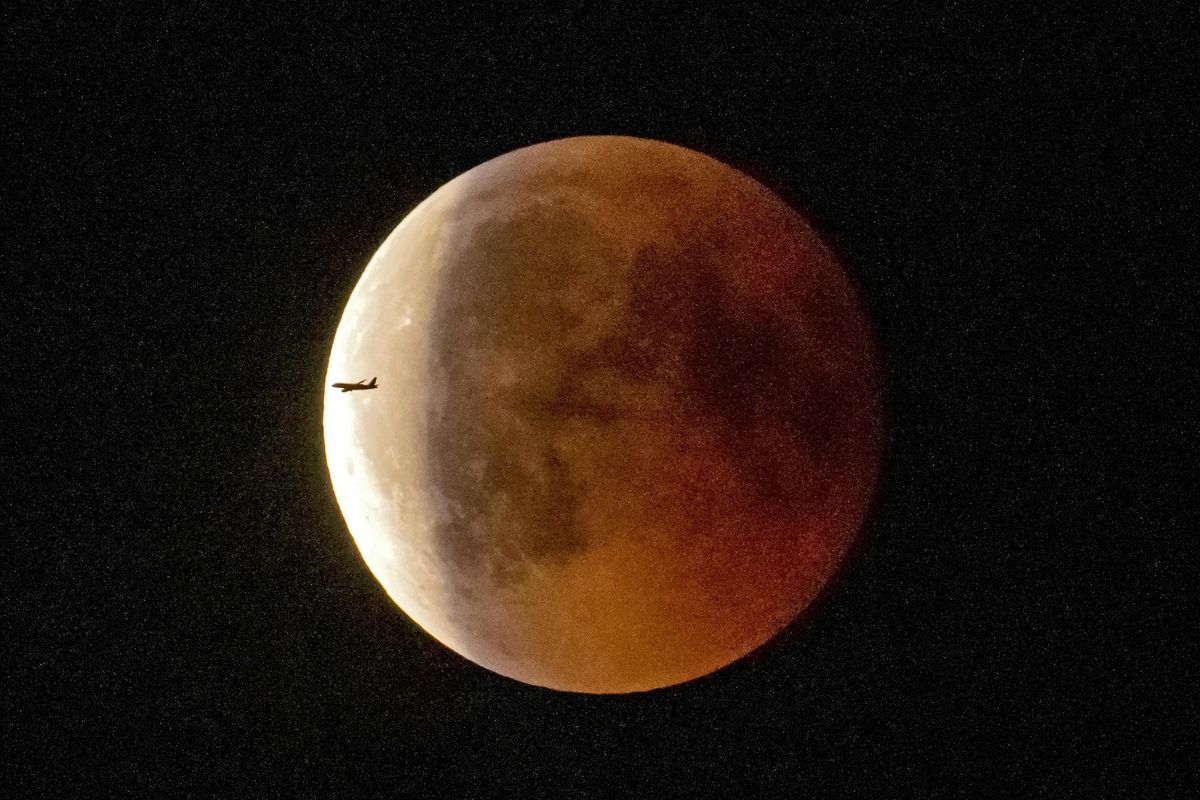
<point x="628" y="420"/>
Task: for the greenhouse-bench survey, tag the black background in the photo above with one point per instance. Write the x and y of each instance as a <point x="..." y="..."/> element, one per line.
<point x="191" y="195"/>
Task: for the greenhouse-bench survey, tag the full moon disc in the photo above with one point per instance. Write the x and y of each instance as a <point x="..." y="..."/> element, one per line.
<point x="627" y="421"/>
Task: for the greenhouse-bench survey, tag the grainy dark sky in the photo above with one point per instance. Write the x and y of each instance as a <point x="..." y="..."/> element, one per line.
<point x="190" y="196"/>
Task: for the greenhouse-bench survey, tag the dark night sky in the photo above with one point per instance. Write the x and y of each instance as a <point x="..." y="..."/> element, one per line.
<point x="191" y="196"/>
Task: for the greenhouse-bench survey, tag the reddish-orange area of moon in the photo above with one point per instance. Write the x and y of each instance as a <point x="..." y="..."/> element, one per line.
<point x="649" y="420"/>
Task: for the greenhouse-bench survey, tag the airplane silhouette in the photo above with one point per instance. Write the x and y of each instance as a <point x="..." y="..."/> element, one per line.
<point x="356" y="387"/>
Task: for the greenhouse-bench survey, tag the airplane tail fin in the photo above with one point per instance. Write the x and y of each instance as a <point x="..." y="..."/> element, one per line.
<point x="372" y="383"/>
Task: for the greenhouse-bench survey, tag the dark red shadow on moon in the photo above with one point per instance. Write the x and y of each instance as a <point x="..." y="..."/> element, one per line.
<point x="788" y="636"/>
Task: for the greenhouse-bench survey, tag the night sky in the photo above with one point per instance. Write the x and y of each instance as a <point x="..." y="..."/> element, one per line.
<point x="190" y="197"/>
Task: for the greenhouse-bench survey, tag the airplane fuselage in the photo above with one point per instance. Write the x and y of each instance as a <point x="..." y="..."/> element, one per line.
<point x="356" y="387"/>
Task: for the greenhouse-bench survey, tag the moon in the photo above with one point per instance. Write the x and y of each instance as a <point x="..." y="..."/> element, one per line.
<point x="628" y="418"/>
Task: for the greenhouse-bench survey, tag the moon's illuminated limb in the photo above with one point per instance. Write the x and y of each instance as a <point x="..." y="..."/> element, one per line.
<point x="628" y="421"/>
